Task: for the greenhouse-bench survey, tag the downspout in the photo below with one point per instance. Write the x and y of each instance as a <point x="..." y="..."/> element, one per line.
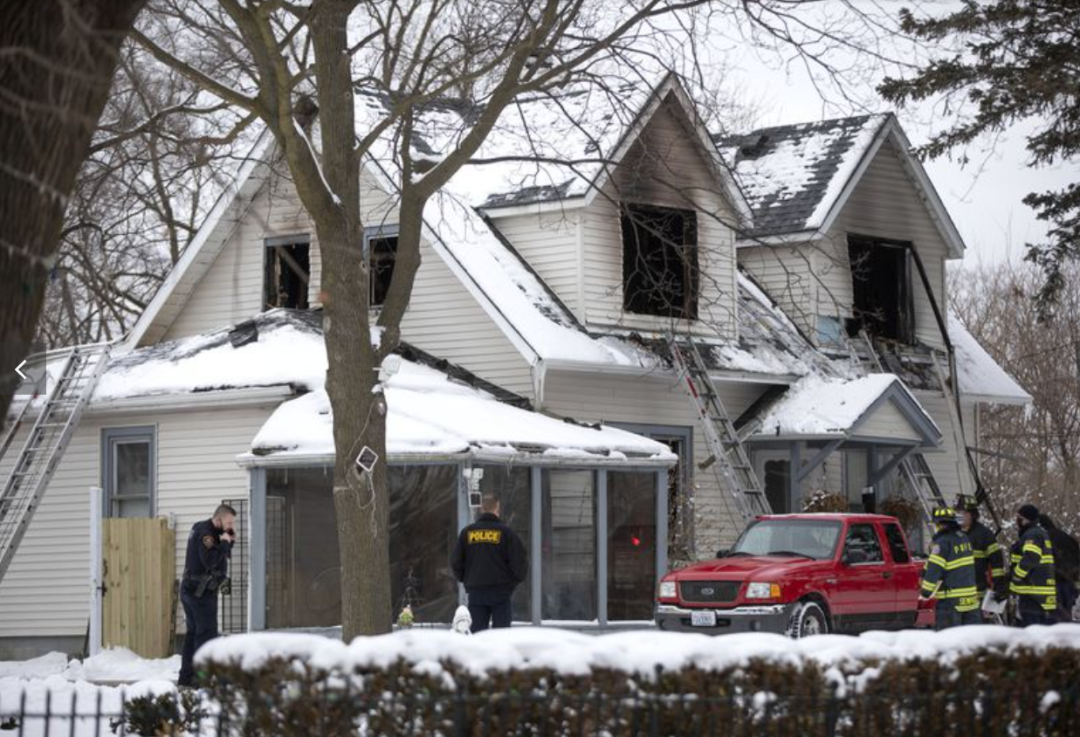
<point x="539" y="377"/>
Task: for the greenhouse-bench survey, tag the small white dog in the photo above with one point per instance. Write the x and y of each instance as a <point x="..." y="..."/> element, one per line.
<point x="462" y="621"/>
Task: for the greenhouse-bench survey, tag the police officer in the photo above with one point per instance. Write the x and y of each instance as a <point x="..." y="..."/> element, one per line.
<point x="205" y="567"/>
<point x="950" y="573"/>
<point x="989" y="557"/>
<point x="1032" y="580"/>
<point x="490" y="559"/>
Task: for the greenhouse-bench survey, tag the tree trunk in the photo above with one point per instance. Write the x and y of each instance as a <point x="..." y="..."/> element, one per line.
<point x="60" y="56"/>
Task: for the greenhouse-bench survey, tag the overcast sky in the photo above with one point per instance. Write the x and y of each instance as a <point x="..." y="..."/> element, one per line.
<point x="984" y="197"/>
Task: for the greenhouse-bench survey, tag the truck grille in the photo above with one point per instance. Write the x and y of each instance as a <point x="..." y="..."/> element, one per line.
<point x="709" y="592"/>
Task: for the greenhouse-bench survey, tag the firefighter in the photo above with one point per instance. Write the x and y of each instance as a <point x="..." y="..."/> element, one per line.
<point x="989" y="557"/>
<point x="950" y="573"/>
<point x="206" y="566"/>
<point x="1032" y="580"/>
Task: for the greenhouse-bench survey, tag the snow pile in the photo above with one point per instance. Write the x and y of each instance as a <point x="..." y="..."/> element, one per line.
<point x="637" y="653"/>
<point x="825" y="406"/>
<point x="286" y="352"/>
<point x="980" y="375"/>
<point x="122" y="665"/>
<point x="428" y="413"/>
<point x="52" y="664"/>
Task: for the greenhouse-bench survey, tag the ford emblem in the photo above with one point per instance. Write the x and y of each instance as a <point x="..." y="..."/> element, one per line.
<point x="708" y="591"/>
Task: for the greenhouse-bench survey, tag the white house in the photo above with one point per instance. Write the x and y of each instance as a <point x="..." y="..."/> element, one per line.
<point x="544" y="293"/>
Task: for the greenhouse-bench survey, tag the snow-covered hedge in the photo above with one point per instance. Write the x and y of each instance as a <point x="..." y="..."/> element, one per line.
<point x="980" y="680"/>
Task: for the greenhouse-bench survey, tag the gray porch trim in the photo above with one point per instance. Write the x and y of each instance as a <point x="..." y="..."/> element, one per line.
<point x="877" y="474"/>
<point x="661" y="525"/>
<point x="536" y="545"/>
<point x="802" y="471"/>
<point x="257" y="548"/>
<point x="601" y="546"/>
<point x="909" y="407"/>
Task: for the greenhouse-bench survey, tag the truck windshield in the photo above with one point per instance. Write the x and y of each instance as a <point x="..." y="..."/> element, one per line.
<point x="802" y="538"/>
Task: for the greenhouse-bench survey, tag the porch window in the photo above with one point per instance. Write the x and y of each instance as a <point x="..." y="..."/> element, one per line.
<point x="287" y="272"/>
<point x="569" y="551"/>
<point x="631" y="544"/>
<point x="381" y="245"/>
<point x="884" y="304"/>
<point x="660" y="261"/>
<point x="513" y="485"/>
<point x="128" y="471"/>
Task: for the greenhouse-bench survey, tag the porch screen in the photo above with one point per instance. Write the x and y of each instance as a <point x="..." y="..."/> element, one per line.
<point x="303" y="587"/>
<point x="513" y="487"/>
<point x="631" y="543"/>
<point x="569" y="547"/>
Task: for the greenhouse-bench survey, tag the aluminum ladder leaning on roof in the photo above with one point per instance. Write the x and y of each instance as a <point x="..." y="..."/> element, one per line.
<point x="914" y="468"/>
<point x="726" y="449"/>
<point x="45" y="444"/>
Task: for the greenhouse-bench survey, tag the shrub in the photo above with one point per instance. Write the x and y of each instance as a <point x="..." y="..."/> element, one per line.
<point x="164" y="714"/>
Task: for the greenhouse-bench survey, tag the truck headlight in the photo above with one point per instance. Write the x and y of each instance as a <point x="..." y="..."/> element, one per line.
<point x="762" y="590"/>
<point x="667" y="589"/>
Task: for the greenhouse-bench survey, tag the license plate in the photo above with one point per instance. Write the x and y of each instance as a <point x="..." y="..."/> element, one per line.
<point x="703" y="619"/>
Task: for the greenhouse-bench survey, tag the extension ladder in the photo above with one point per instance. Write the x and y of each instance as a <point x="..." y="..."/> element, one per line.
<point x="727" y="452"/>
<point x="45" y="444"/>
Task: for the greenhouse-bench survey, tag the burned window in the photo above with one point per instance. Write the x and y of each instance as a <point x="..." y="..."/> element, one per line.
<point x="884" y="304"/>
<point x="382" y="249"/>
<point x="660" y="261"/>
<point x="287" y="273"/>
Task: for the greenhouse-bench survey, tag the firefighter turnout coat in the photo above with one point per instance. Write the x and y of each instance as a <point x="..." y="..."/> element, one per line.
<point x="989" y="558"/>
<point x="1032" y="559"/>
<point x="950" y="572"/>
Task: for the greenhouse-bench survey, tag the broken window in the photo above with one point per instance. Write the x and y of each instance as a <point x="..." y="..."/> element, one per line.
<point x="382" y="249"/>
<point x="884" y="304"/>
<point x="287" y="273"/>
<point x="660" y="261"/>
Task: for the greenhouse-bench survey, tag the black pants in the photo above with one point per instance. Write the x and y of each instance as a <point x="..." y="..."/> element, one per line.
<point x="946" y="616"/>
<point x="488" y="612"/>
<point x="1029" y="611"/>
<point x="201" y="616"/>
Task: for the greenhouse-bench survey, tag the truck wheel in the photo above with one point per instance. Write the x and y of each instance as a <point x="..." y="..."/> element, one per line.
<point x="807" y="619"/>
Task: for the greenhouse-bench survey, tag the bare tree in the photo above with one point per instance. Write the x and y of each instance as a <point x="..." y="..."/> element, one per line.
<point x="58" y="60"/>
<point x="1029" y="453"/>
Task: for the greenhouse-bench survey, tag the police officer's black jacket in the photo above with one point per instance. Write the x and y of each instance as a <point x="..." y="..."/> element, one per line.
<point x="989" y="558"/>
<point x="489" y="555"/>
<point x="207" y="553"/>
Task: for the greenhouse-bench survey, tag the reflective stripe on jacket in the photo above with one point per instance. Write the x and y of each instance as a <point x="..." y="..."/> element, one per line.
<point x="950" y="571"/>
<point x="989" y="558"/>
<point x="1032" y="558"/>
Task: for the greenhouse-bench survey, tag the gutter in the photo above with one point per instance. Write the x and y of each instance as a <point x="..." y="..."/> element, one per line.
<point x="193" y="400"/>
<point x="661" y="373"/>
<point x="251" y="460"/>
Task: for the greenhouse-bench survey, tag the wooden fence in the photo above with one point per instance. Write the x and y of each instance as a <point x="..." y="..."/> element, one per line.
<point x="140" y="570"/>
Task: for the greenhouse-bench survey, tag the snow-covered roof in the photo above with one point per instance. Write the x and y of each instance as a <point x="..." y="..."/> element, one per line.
<point x="429" y="414"/>
<point x="981" y="378"/>
<point x="817" y="406"/>
<point x="792" y="174"/>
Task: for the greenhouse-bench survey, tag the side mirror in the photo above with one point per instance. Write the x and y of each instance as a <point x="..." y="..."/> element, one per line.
<point x="722" y="553"/>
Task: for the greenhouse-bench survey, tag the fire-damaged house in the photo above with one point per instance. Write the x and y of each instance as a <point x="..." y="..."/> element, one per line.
<point x="797" y="271"/>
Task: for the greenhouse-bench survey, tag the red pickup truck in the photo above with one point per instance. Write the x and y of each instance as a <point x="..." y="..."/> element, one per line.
<point x="800" y="574"/>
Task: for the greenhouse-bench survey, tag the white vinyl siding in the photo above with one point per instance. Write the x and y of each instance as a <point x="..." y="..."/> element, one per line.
<point x="887" y="422"/>
<point x="885" y="204"/>
<point x="45" y="592"/>
<point x="946" y="466"/>
<point x="549" y="243"/>
<point x="786" y="275"/>
<point x="658" y="400"/>
<point x="445" y="320"/>
<point x="682" y="179"/>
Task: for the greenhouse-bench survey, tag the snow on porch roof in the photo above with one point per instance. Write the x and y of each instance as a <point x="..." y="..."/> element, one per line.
<point x="981" y="378"/>
<point x="817" y="406"/>
<point x="430" y="415"/>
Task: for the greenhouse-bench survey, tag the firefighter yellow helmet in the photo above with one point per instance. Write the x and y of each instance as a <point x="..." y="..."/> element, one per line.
<point x="945" y="515"/>
<point x="967" y="503"/>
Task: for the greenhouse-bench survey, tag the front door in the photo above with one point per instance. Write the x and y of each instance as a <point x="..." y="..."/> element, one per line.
<point x="773" y="469"/>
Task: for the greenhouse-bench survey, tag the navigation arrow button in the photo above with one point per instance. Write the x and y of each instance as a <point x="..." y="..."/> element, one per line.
<point x="20" y="373"/>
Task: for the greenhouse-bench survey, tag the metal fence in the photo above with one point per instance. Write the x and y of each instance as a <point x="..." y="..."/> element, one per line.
<point x="543" y="714"/>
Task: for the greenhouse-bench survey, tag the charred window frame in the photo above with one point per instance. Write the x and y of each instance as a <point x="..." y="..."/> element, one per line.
<point x="883" y="291"/>
<point x="286" y="272"/>
<point x="380" y="245"/>
<point x="660" y="261"/>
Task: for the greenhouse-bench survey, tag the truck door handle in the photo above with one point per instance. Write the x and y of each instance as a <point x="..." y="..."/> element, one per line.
<point x="887" y="574"/>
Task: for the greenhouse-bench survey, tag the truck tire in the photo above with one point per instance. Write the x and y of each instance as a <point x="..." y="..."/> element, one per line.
<point x="807" y="619"/>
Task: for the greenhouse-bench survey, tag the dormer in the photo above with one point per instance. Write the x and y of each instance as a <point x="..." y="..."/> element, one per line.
<point x="644" y="239"/>
<point x="849" y="234"/>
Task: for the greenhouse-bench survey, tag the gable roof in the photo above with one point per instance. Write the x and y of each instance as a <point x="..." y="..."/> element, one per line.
<point x="981" y="378"/>
<point x="797" y="178"/>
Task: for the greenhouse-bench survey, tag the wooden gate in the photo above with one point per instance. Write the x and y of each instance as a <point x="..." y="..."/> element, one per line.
<point x="140" y="568"/>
